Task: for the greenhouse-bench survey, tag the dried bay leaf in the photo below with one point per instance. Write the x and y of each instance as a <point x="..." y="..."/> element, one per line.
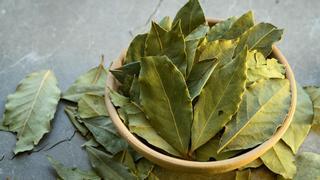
<point x="209" y="150"/>
<point x="191" y="16"/>
<point x="122" y="73"/>
<point x="163" y="86"/>
<point x="262" y="173"/>
<point x="243" y="174"/>
<point x="308" y="166"/>
<point x="92" y="82"/>
<point x="124" y="157"/>
<point x="160" y="42"/>
<point x="241" y="25"/>
<point x="139" y="125"/>
<point x="166" y="23"/>
<point x="261" y="68"/>
<point x="106" y="167"/>
<point x="105" y="134"/>
<point x="136" y="49"/>
<point x="260" y="37"/>
<point x="301" y="122"/>
<point x="135" y="91"/>
<point x="218" y="30"/>
<point x="280" y="160"/>
<point x="199" y="75"/>
<point x="67" y="173"/>
<point x="74" y="117"/>
<point x="219" y="100"/>
<point x="314" y="93"/>
<point x="30" y="109"/>
<point x="117" y="99"/>
<point x="198" y="33"/>
<point x="144" y="168"/>
<point x="91" y="105"/>
<point x="262" y="111"/>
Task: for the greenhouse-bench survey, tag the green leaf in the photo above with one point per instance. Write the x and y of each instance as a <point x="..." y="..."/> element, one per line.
<point x="66" y="173"/>
<point x="135" y="91"/>
<point x="106" y="167"/>
<point x="105" y="134"/>
<point x="74" y="117"/>
<point x="91" y="105"/>
<point x="301" y="122"/>
<point x="199" y="76"/>
<point x="30" y="109"/>
<point x="261" y="68"/>
<point x="254" y="164"/>
<point x="139" y="125"/>
<point x="241" y="25"/>
<point x="191" y="16"/>
<point x="126" y="70"/>
<point x="144" y="168"/>
<point x="192" y="41"/>
<point x="136" y="49"/>
<point x="308" y="166"/>
<point x="280" y="160"/>
<point x="160" y="81"/>
<point x="166" y="23"/>
<point x="243" y="174"/>
<point x="221" y="50"/>
<point x="260" y="37"/>
<point x="219" y="100"/>
<point x="91" y="142"/>
<point x="262" y="173"/>
<point x="209" y="150"/>
<point x="124" y="157"/>
<point x="117" y="99"/>
<point x="92" y="82"/>
<point x="218" y="30"/>
<point x="314" y="93"/>
<point x="160" y="42"/>
<point x="262" y="111"/>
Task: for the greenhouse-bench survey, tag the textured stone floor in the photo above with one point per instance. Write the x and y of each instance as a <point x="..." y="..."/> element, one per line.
<point x="69" y="36"/>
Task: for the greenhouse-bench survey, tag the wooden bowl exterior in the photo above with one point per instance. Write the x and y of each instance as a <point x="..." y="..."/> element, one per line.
<point x="195" y="166"/>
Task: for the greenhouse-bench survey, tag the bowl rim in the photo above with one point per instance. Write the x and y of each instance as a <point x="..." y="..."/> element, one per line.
<point x="197" y="166"/>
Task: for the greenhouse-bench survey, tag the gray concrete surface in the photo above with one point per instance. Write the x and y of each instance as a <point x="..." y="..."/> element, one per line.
<point x="68" y="37"/>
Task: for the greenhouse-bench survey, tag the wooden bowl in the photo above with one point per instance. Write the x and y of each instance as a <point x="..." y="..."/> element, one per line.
<point x="195" y="166"/>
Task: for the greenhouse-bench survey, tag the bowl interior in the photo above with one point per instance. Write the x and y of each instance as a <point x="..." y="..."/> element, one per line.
<point x="195" y="166"/>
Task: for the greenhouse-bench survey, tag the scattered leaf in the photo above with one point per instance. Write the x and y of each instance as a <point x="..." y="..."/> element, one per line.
<point x="262" y="173"/>
<point x="74" y="117"/>
<point x="30" y="109"/>
<point x="308" y="166"/>
<point x="243" y="174"/>
<point x="91" y="105"/>
<point x="314" y="93"/>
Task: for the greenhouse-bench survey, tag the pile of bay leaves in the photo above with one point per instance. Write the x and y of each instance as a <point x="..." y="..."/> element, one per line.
<point x="188" y="90"/>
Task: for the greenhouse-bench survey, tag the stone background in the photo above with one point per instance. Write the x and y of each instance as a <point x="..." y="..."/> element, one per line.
<point x="68" y="37"/>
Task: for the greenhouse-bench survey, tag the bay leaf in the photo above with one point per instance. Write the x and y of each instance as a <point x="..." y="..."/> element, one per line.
<point x="260" y="37"/>
<point x="221" y="50"/>
<point x="280" y="160"/>
<point x="243" y="174"/>
<point x="241" y="25"/>
<point x="308" y="166"/>
<point x="117" y="99"/>
<point x="126" y="70"/>
<point x="91" y="142"/>
<point x="74" y="117"/>
<point x="219" y="100"/>
<point x="105" y="134"/>
<point x="160" y="83"/>
<point x="314" y="93"/>
<point x="124" y="157"/>
<point x="209" y="150"/>
<point x="91" y="105"/>
<point x="199" y="75"/>
<point x="262" y="173"/>
<point x="136" y="49"/>
<point x="160" y="42"/>
<point x="262" y="110"/>
<point x="218" y="30"/>
<point x="106" y="167"/>
<point x="139" y="125"/>
<point x="191" y="16"/>
<point x="144" y="168"/>
<point x="135" y="90"/>
<point x="261" y="68"/>
<point x="30" y="109"/>
<point x="192" y="41"/>
<point x="166" y="23"/>
<point x="254" y="164"/>
<point x="92" y="82"/>
<point x="301" y="122"/>
<point x="67" y="173"/>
